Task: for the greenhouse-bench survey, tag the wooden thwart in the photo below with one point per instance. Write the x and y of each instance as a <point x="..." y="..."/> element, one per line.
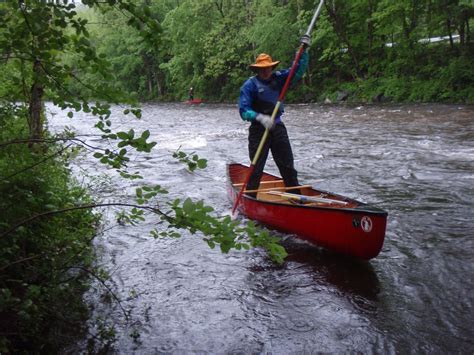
<point x="261" y="183"/>
<point x="283" y="188"/>
<point x="304" y="198"/>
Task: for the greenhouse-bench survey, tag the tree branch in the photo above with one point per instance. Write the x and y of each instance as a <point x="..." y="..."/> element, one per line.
<point x="81" y="207"/>
<point x="109" y="290"/>
<point x="36" y="164"/>
<point x="47" y="140"/>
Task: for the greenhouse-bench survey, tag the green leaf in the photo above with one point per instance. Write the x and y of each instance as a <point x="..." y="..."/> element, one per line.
<point x="123" y="135"/>
<point x="202" y="163"/>
<point x="188" y="206"/>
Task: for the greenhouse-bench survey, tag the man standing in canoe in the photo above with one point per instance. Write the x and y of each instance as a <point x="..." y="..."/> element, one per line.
<point x="258" y="97"/>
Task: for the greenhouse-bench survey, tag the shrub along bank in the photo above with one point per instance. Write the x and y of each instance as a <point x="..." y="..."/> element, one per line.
<point x="43" y="262"/>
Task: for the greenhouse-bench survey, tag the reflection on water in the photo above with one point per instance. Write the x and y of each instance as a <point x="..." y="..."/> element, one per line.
<point x="355" y="279"/>
<point x="414" y="161"/>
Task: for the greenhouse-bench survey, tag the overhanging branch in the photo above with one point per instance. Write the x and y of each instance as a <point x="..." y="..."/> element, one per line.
<point x="81" y="207"/>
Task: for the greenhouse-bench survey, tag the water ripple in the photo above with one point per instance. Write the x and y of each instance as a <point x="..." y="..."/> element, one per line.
<point x="415" y="161"/>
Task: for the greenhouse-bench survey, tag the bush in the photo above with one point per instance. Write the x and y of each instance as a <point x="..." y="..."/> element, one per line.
<point x="41" y="282"/>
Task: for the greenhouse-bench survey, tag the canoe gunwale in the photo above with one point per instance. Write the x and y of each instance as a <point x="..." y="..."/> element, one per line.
<point x="375" y="211"/>
<point x="362" y="206"/>
<point x="357" y="231"/>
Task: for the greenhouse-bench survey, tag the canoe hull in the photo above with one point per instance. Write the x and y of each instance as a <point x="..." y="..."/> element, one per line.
<point x="194" y="102"/>
<point x="358" y="231"/>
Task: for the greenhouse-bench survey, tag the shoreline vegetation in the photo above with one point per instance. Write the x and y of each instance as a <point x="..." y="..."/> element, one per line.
<point x="85" y="57"/>
<point x="43" y="262"/>
<point x="361" y="51"/>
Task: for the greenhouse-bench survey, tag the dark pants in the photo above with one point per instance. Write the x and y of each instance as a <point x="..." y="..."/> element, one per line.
<point x="279" y="144"/>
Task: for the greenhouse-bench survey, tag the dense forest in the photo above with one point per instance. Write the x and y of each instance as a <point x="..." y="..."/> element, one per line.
<point x="85" y="56"/>
<point x="404" y="50"/>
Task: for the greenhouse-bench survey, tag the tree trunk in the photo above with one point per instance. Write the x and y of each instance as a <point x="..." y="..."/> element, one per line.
<point x="448" y="26"/>
<point x="340" y="29"/>
<point x="370" y="35"/>
<point x="36" y="103"/>
<point x="468" y="31"/>
<point x="160" y="87"/>
<point x="150" y="86"/>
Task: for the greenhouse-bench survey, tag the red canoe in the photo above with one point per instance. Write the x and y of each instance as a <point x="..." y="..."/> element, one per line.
<point x="333" y="221"/>
<point x="194" y="102"/>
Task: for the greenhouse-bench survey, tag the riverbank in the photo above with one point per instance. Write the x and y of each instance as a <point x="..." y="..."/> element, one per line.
<point x="46" y="251"/>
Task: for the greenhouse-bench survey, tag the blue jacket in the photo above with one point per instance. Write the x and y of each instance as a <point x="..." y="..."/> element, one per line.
<point x="260" y="96"/>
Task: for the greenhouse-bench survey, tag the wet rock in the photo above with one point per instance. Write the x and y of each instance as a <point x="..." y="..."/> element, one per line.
<point x="380" y="98"/>
<point x="342" y="95"/>
<point x="308" y="97"/>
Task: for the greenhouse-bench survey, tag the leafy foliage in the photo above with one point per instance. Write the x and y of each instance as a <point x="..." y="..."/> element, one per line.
<point x="48" y="226"/>
<point x="192" y="160"/>
<point x="208" y="44"/>
<point x="39" y="278"/>
<point x="87" y="57"/>
<point x="225" y="232"/>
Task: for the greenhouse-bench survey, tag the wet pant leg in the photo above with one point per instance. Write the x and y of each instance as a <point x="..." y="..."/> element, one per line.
<point x="283" y="156"/>
<point x="256" y="132"/>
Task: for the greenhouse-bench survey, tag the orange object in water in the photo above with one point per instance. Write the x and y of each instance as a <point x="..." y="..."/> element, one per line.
<point x="194" y="101"/>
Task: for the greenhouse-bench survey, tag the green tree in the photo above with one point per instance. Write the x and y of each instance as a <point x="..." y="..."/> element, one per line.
<point x="45" y="236"/>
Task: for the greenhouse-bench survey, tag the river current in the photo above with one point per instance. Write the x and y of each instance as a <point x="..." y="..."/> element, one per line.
<point x="417" y="296"/>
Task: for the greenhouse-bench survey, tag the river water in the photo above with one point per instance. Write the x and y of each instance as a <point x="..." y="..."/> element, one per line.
<point x="417" y="296"/>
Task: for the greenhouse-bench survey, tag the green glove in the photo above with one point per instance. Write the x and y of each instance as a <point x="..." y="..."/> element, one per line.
<point x="249" y="115"/>
<point x="302" y="66"/>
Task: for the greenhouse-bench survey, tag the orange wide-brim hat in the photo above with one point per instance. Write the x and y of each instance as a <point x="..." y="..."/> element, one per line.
<point x="264" y="61"/>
